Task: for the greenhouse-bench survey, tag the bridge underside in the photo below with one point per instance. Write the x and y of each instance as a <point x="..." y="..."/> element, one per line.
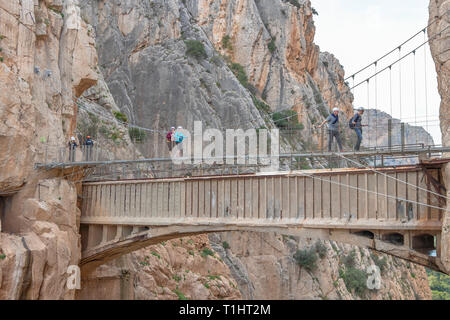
<point x="104" y="243"/>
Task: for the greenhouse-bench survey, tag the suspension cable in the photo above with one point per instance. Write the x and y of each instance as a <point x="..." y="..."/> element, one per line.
<point x="373" y="192"/>
<point x="400" y="80"/>
<point x="401" y="45"/>
<point x="368" y="106"/>
<point x="390" y="177"/>
<point x="390" y="90"/>
<point x="376" y="107"/>
<point x="415" y="95"/>
<point x="425" y="79"/>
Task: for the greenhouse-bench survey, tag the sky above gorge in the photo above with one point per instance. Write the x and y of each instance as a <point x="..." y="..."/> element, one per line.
<point x="359" y="32"/>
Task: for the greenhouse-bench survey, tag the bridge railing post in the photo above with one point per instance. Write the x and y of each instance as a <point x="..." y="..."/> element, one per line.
<point x="322" y="140"/>
<point x="402" y="128"/>
<point x="390" y="134"/>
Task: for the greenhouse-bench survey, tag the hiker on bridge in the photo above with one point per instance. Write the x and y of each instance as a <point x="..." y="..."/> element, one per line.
<point x="333" y="129"/>
<point x="89" y="145"/>
<point x="72" y="149"/>
<point x="170" y="138"/>
<point x="355" y="124"/>
<point x="178" y="138"/>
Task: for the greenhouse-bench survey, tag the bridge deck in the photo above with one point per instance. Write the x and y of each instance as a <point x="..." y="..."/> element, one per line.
<point x="343" y="198"/>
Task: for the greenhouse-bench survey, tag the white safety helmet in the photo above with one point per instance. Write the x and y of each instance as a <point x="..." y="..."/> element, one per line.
<point x="336" y="109"/>
<point x="360" y="109"/>
<point x="72" y="139"/>
<point x="180" y="127"/>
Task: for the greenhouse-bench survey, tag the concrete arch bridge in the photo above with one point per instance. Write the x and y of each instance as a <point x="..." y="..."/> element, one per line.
<point x="398" y="211"/>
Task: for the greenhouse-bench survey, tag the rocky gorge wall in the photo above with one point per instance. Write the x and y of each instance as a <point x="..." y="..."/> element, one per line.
<point x="130" y="57"/>
<point x="140" y="52"/>
<point x="47" y="57"/>
<point x="440" y="50"/>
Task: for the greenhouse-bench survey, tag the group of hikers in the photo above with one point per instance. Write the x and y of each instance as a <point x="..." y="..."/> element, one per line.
<point x="355" y="123"/>
<point x="174" y="138"/>
<point x="88" y="143"/>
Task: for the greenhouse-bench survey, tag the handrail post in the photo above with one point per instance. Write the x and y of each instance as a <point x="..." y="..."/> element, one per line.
<point x="403" y="136"/>
<point x="390" y="134"/>
<point x="322" y="139"/>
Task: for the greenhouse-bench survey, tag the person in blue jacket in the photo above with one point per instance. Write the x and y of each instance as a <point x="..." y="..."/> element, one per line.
<point x="333" y="129"/>
<point x="178" y="138"/>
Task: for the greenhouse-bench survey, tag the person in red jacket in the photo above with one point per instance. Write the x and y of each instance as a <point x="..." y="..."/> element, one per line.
<point x="169" y="138"/>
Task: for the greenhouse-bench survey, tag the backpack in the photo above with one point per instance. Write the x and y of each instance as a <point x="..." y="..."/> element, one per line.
<point x="179" y="137"/>
<point x="351" y="125"/>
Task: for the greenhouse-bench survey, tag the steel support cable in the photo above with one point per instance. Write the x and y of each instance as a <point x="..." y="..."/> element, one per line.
<point x="376" y="108"/>
<point x="349" y="90"/>
<point x="398" y="60"/>
<point x="425" y="78"/>
<point x="401" y="45"/>
<point x="358" y="84"/>
<point x="390" y="89"/>
<point x="373" y="192"/>
<point x="400" y="80"/>
<point x="415" y="94"/>
<point x="82" y="106"/>
<point x="368" y="106"/>
<point x="346" y="91"/>
<point x="388" y="176"/>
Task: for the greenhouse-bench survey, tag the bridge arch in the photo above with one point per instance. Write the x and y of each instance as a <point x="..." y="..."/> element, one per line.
<point x="119" y="217"/>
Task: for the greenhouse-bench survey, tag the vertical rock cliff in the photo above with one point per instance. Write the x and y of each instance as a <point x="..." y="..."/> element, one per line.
<point x="47" y="56"/>
<point x="440" y="50"/>
<point x="254" y="50"/>
<point x="130" y="57"/>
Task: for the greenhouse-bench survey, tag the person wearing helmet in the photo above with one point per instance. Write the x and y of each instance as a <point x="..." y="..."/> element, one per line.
<point x="355" y="124"/>
<point x="72" y="149"/>
<point x="170" y="138"/>
<point x="89" y="144"/>
<point x="179" y="137"/>
<point x="333" y="129"/>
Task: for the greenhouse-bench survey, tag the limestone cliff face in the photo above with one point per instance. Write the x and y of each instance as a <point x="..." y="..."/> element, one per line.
<point x="274" y="42"/>
<point x="172" y="270"/>
<point x="143" y="58"/>
<point x="151" y="79"/>
<point x="47" y="57"/>
<point x="440" y="50"/>
<point x="264" y="267"/>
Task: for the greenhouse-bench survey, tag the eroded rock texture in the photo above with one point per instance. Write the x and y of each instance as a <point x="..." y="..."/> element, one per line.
<point x="49" y="53"/>
<point x="440" y="50"/>
<point x="153" y="81"/>
<point x="45" y="61"/>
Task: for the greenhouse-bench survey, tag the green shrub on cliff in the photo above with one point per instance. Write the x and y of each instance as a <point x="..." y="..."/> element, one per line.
<point x="439" y="285"/>
<point x="306" y="259"/>
<point x="355" y="280"/>
<point x="120" y="116"/>
<point x="196" y="49"/>
<point x="240" y="73"/>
